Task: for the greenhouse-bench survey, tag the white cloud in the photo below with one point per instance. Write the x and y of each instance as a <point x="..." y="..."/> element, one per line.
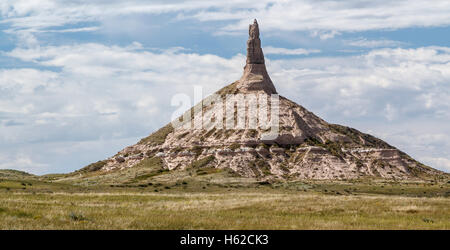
<point x="438" y="162"/>
<point x="84" y="29"/>
<point x="363" y="42"/>
<point x="425" y="140"/>
<point x="335" y="16"/>
<point x="21" y="162"/>
<point x="130" y="62"/>
<point x="96" y="92"/>
<point x="283" y="51"/>
<point x="326" y="18"/>
<point x="382" y="83"/>
<point x="390" y="112"/>
<point x="59" y="156"/>
<point x="324" y="35"/>
<point x="100" y="90"/>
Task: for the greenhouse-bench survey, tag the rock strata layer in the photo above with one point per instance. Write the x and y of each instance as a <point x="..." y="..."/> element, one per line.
<point x="306" y="147"/>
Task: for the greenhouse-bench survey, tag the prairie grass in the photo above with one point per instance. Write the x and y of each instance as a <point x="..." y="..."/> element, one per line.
<point x="143" y="197"/>
<point x="251" y="209"/>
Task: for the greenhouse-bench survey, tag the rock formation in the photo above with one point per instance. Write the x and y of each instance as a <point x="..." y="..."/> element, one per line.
<point x="255" y="75"/>
<point x="254" y="51"/>
<point x="306" y="147"/>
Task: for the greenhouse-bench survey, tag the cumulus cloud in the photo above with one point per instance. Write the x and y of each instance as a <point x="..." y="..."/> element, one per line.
<point x="438" y="162"/>
<point x="382" y="84"/>
<point x="269" y="50"/>
<point x="21" y="162"/>
<point x="366" y="43"/>
<point x="326" y="18"/>
<point x="101" y="91"/>
<point x="324" y="34"/>
<point x="84" y="29"/>
<point x="344" y="16"/>
<point x="390" y="112"/>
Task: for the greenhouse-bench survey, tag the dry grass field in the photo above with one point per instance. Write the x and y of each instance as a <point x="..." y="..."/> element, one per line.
<point x="197" y="204"/>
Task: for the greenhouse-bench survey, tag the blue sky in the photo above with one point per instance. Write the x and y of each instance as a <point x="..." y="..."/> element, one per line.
<point x="80" y="80"/>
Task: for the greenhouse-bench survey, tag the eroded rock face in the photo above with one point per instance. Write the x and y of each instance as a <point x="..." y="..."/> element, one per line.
<point x="306" y="147"/>
<point x="255" y="75"/>
<point x="254" y="52"/>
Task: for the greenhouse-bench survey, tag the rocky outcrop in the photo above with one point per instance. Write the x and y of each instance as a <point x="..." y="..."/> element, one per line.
<point x="254" y="52"/>
<point x="306" y="147"/>
<point x="255" y="75"/>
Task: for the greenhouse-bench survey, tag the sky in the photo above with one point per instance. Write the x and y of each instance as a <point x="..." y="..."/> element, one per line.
<point x="80" y="80"/>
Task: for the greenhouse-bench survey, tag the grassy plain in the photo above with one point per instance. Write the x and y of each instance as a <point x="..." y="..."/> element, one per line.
<point x="208" y="200"/>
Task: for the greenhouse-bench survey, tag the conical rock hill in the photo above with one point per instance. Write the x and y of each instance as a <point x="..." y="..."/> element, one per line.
<point x="306" y="147"/>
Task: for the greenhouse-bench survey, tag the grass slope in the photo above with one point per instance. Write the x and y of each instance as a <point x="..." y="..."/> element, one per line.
<point x="11" y="173"/>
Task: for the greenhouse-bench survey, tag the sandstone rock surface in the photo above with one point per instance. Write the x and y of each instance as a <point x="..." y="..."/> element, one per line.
<point x="307" y="147"/>
<point x="255" y="75"/>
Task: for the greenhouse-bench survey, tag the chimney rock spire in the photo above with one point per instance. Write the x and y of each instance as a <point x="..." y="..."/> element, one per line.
<point x="254" y="51"/>
<point x="255" y="77"/>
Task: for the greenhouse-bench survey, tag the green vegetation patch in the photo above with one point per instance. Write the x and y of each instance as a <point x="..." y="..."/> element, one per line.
<point x="181" y="136"/>
<point x="197" y="150"/>
<point x="333" y="147"/>
<point x="177" y="150"/>
<point x="11" y="184"/>
<point x="312" y="141"/>
<point x="202" y="162"/>
<point x="234" y="146"/>
<point x="208" y="170"/>
<point x="209" y="133"/>
<point x="154" y="164"/>
<point x="229" y="132"/>
<point x="356" y="136"/>
<point x="93" y="167"/>
<point x="229" y="89"/>
<point x="76" y="216"/>
<point x="8" y="173"/>
<point x="158" y="137"/>
<point x="260" y="167"/>
<point x="252" y="133"/>
<point x="151" y="174"/>
<point x="15" y="213"/>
